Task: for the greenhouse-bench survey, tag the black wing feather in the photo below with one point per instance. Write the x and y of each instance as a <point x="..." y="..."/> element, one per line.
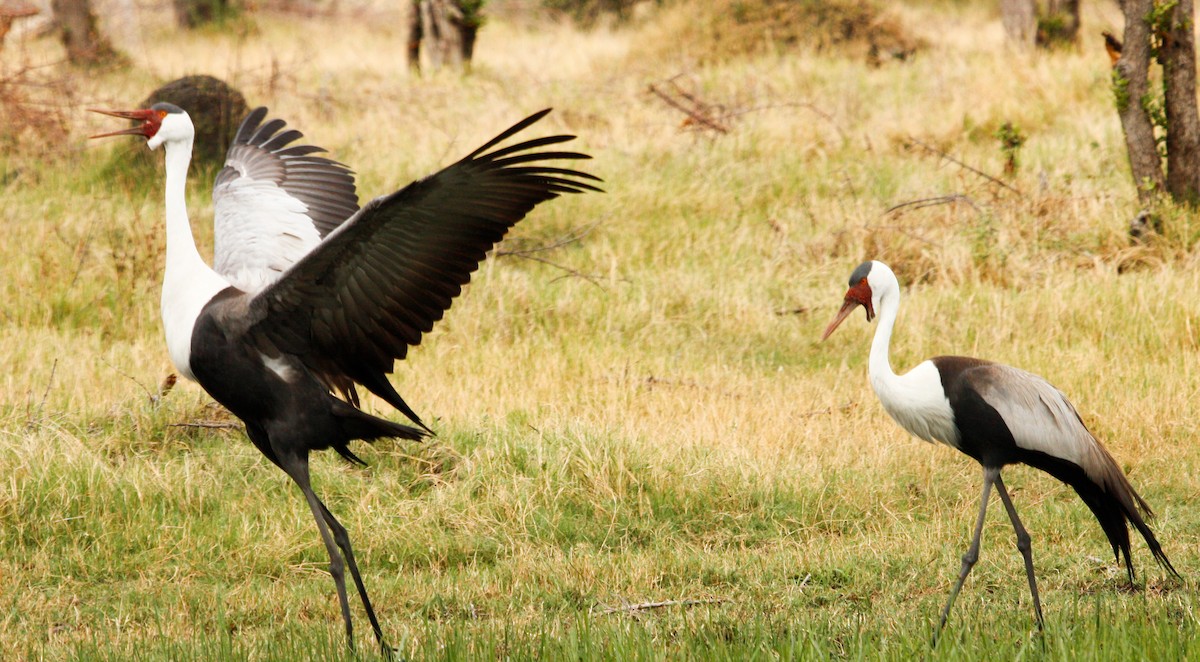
<point x="357" y="302"/>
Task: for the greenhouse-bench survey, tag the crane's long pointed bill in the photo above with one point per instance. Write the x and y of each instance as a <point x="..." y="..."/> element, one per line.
<point x="847" y="308"/>
<point x="135" y="115"/>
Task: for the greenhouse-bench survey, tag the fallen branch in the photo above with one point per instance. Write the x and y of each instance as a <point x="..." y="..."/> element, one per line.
<point x="643" y="606"/>
<point x="207" y="425"/>
<point x="828" y="410"/>
<point x="799" y="310"/>
<point x="699" y="112"/>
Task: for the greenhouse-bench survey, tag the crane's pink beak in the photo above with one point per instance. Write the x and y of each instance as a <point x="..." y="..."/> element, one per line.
<point x="847" y="308"/>
<point x="151" y="119"/>
<point x="857" y="295"/>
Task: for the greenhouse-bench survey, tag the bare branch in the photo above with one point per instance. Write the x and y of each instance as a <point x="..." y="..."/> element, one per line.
<point x="574" y="236"/>
<point x="41" y="407"/>
<point x="913" y="205"/>
<point x="140" y="385"/>
<point x="933" y="150"/>
<point x="570" y="238"/>
<point x="699" y="113"/>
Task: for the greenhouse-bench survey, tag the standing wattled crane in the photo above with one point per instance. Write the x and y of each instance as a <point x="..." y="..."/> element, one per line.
<point x="311" y="294"/>
<point x="998" y="415"/>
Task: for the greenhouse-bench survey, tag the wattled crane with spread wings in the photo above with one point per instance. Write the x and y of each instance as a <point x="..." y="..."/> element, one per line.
<point x="310" y="295"/>
<point x="997" y="415"/>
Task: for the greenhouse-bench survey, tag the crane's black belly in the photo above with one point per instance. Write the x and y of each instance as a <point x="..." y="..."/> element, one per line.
<point x="285" y="401"/>
<point x="983" y="434"/>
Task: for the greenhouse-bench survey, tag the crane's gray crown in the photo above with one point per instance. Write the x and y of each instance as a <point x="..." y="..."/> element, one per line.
<point x="169" y="107"/>
<point x="860" y="273"/>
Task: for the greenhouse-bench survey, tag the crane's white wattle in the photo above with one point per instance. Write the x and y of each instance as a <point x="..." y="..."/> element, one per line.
<point x="188" y="283"/>
<point x="261" y="231"/>
<point x="916" y="399"/>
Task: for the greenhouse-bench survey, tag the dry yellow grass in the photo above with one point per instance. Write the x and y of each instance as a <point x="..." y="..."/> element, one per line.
<point x="669" y="428"/>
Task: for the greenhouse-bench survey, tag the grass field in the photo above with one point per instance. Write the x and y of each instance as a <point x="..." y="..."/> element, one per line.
<point x="652" y="421"/>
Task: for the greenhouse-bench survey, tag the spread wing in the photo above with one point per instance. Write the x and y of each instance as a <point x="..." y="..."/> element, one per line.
<point x="356" y="303"/>
<point x="274" y="203"/>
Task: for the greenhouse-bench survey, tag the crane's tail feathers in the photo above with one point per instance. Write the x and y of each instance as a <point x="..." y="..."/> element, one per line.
<point x="1152" y="541"/>
<point x="377" y="383"/>
<point x="1132" y="507"/>
<point x="349" y="455"/>
<point x="358" y="424"/>
<point x="1114" y="503"/>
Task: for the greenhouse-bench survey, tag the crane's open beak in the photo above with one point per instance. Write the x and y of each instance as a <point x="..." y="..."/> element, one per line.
<point x="858" y="295"/>
<point x="149" y="122"/>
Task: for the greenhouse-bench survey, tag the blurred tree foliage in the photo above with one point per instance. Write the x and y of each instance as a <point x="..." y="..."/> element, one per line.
<point x="588" y="12"/>
<point x="718" y="30"/>
<point x="195" y="13"/>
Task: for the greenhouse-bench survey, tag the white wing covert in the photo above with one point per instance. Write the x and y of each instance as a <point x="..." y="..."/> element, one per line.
<point x="273" y="203"/>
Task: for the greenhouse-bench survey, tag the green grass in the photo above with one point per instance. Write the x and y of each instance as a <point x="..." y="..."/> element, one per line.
<point x="667" y="429"/>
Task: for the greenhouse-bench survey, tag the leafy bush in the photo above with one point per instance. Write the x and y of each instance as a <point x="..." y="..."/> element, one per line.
<point x="716" y="30"/>
<point x="588" y="12"/>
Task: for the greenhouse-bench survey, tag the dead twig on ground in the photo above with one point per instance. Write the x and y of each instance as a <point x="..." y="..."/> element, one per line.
<point x="643" y="606"/>
<point x="828" y="410"/>
<point x="207" y="425"/>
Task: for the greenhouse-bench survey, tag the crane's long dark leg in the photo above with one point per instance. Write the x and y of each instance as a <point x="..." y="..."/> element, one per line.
<point x="297" y="467"/>
<point x="990" y="475"/>
<point x="343" y="541"/>
<point x="1023" y="544"/>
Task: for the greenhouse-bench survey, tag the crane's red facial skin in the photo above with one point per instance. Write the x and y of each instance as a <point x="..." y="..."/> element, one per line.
<point x="857" y="295"/>
<point x="151" y="120"/>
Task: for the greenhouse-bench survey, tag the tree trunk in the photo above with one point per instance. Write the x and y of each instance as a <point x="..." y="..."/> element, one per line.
<point x="412" y="48"/>
<point x="1020" y="21"/>
<point x="1060" y="25"/>
<point x="1130" y="87"/>
<point x="194" y="13"/>
<point x="447" y="31"/>
<point x="77" y="26"/>
<point x="1177" y="54"/>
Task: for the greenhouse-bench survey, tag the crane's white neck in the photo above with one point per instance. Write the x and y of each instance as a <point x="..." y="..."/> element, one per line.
<point x="916" y="399"/>
<point x="188" y="282"/>
<point x="181" y="245"/>
<point x="879" y="366"/>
